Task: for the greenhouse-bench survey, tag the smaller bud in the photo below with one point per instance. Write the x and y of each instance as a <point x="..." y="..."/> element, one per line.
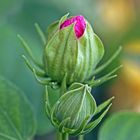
<point x="74" y="106"/>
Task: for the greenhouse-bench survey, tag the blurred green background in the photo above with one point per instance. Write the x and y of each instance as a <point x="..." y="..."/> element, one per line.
<point x="116" y="22"/>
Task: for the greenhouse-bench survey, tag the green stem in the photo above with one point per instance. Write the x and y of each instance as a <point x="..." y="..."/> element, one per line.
<point x="65" y="136"/>
<point x="59" y="136"/>
<point x="81" y="137"/>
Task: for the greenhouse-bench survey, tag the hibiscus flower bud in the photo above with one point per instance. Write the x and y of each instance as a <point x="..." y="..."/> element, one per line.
<point x="73" y="49"/>
<point x="74" y="107"/>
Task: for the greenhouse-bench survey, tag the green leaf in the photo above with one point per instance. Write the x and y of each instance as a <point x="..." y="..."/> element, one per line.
<point x="17" y="120"/>
<point x="13" y="68"/>
<point x="121" y="126"/>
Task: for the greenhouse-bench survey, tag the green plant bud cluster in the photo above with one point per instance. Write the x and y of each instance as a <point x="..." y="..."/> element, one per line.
<point x="69" y="68"/>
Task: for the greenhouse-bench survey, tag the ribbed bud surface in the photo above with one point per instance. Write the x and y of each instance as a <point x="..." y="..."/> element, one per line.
<point x="77" y="104"/>
<point x="67" y="54"/>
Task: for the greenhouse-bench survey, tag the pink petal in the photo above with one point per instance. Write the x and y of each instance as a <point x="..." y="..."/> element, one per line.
<point x="80" y="25"/>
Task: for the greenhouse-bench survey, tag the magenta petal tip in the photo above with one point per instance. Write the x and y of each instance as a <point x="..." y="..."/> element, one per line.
<point x="80" y="24"/>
